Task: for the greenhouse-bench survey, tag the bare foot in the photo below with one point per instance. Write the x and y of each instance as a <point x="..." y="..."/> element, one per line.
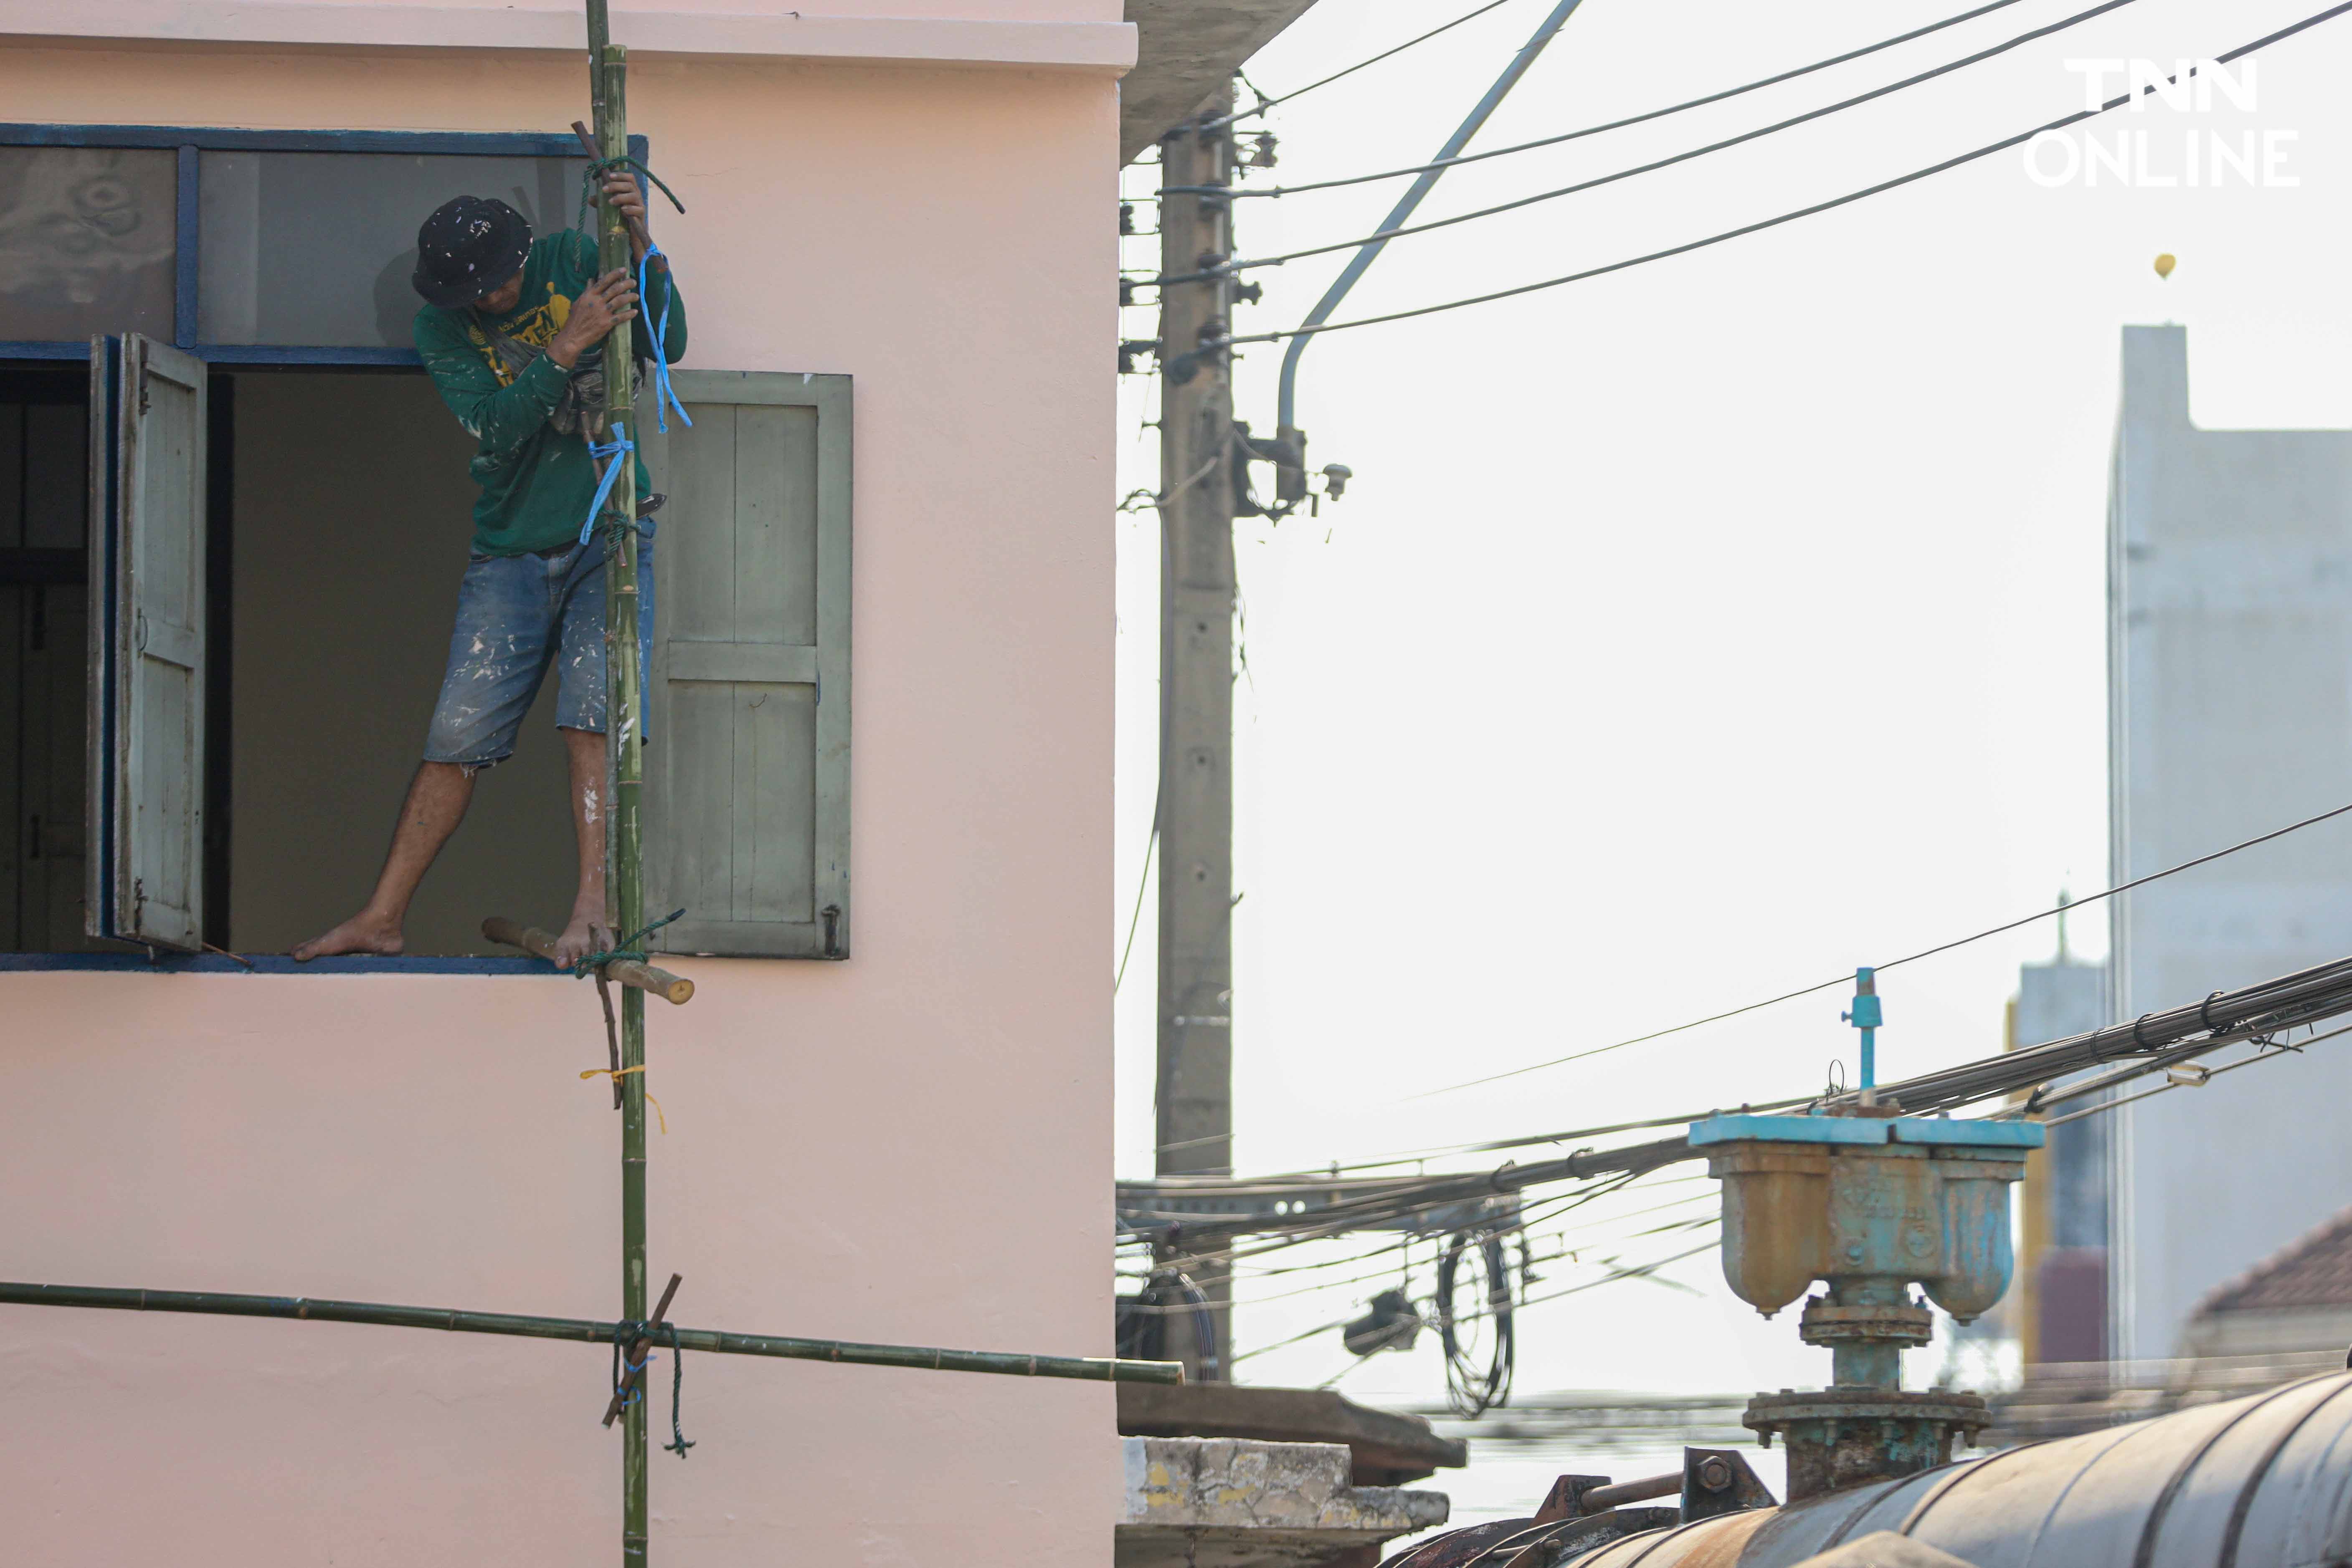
<point x="583" y="936"/>
<point x="362" y="932"/>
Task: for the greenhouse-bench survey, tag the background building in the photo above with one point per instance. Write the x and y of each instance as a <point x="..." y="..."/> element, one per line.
<point x="2230" y="669"/>
<point x="2060" y="1301"/>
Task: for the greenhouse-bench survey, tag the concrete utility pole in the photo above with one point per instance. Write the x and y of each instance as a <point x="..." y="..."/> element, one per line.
<point x="1195" y="1111"/>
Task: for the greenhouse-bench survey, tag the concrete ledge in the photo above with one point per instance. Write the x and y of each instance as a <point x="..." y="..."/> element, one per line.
<point x="1386" y="1447"/>
<point x="1220" y="1502"/>
<point x="1108" y="47"/>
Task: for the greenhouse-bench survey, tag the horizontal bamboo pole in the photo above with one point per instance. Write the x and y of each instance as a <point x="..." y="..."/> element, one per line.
<point x="672" y="988"/>
<point x="1096" y="1369"/>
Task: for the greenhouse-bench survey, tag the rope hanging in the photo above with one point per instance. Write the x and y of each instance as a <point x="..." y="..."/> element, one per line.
<point x="677" y="1444"/>
<point x="664" y="394"/>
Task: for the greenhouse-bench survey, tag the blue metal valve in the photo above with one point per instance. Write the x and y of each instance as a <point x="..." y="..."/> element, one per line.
<point x="1867" y="1018"/>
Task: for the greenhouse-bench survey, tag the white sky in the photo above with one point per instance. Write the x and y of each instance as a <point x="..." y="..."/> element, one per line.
<point x="1700" y="632"/>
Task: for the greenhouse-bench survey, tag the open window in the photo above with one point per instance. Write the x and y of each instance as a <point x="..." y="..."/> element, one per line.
<point x="232" y="528"/>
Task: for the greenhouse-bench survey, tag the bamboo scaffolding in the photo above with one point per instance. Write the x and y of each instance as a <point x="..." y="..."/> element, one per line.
<point x="675" y="989"/>
<point x="625" y="901"/>
<point x="585" y="1331"/>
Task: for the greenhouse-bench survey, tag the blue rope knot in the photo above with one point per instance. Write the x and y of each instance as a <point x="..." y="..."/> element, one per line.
<point x="626" y="1333"/>
<point x="613" y="454"/>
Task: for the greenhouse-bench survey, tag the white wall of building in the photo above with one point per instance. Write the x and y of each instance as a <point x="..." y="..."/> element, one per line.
<point x="2229" y="714"/>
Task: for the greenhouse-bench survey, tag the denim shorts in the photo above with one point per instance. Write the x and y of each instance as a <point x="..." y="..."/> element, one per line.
<point x="517" y="615"/>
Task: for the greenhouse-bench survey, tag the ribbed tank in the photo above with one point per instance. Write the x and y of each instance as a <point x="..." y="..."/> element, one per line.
<point x="2264" y="1482"/>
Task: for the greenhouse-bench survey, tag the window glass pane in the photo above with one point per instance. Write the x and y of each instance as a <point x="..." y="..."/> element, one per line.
<point x="316" y="248"/>
<point x="86" y="241"/>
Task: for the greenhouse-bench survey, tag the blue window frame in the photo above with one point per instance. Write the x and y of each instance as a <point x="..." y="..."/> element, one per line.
<point x="190" y="143"/>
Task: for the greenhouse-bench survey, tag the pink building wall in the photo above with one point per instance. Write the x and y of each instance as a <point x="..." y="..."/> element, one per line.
<point x="913" y="1145"/>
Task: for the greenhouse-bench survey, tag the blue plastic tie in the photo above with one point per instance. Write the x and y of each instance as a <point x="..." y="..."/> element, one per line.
<point x="631" y="1370"/>
<point x="615" y="451"/>
<point x="664" y="394"/>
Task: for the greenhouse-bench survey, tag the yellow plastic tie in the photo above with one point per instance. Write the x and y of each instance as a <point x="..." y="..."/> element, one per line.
<point x="616" y="1075"/>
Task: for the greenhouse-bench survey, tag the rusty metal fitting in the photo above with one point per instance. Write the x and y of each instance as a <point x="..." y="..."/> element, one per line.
<point x="1839" y="1437"/>
<point x="1825" y="1324"/>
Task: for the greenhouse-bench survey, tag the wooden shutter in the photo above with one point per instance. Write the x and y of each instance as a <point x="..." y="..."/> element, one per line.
<point x="748" y="763"/>
<point x="147" y="637"/>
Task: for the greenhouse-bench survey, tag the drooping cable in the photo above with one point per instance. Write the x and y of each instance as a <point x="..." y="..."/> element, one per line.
<point x="1642" y="118"/>
<point x="2268" y="1054"/>
<point x="1847" y="978"/>
<point x="1761" y="224"/>
<point x="1142" y="885"/>
<point x="1265" y="104"/>
<point x="2264" y="1012"/>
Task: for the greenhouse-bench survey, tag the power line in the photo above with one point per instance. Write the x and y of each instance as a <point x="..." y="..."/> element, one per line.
<point x="1136" y="918"/>
<point x="1618" y="1270"/>
<point x="1787" y="217"/>
<point x="2151" y="1042"/>
<point x="1641" y="1272"/>
<point x="2267" y="1054"/>
<point x="1265" y="104"/>
<point x="1531" y="1223"/>
<point x="1590" y="1167"/>
<point x="1661" y="113"/>
<point x="1530" y="1140"/>
<point x="1908" y="958"/>
<point x="1746" y="136"/>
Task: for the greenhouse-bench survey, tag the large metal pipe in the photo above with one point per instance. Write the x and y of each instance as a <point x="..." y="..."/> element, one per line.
<point x="2264" y="1482"/>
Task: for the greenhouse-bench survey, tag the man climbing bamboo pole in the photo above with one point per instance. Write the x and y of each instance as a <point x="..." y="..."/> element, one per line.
<point x="512" y="332"/>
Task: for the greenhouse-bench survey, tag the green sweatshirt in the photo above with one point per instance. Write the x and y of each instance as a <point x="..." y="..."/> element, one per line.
<point x="533" y="465"/>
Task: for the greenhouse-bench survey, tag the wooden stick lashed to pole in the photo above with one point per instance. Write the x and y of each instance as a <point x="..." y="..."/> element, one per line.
<point x="672" y="988"/>
<point x="634" y="1371"/>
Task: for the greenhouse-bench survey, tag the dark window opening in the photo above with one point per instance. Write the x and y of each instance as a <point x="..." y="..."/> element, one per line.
<point x="44" y="658"/>
<point x="339" y="516"/>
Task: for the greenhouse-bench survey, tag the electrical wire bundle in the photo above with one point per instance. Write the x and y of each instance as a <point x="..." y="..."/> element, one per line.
<point x="1957" y="161"/>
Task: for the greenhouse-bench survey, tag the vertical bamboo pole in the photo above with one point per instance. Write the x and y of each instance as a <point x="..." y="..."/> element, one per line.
<point x="625" y="745"/>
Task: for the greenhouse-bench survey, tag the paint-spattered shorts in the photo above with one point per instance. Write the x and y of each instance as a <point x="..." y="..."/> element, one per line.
<point x="517" y="614"/>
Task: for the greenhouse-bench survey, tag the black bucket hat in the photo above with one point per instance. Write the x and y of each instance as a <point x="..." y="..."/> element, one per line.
<point x="468" y="247"/>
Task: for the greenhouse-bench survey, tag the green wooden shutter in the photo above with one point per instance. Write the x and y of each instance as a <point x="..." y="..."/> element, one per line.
<point x="747" y="770"/>
<point x="147" y="744"/>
